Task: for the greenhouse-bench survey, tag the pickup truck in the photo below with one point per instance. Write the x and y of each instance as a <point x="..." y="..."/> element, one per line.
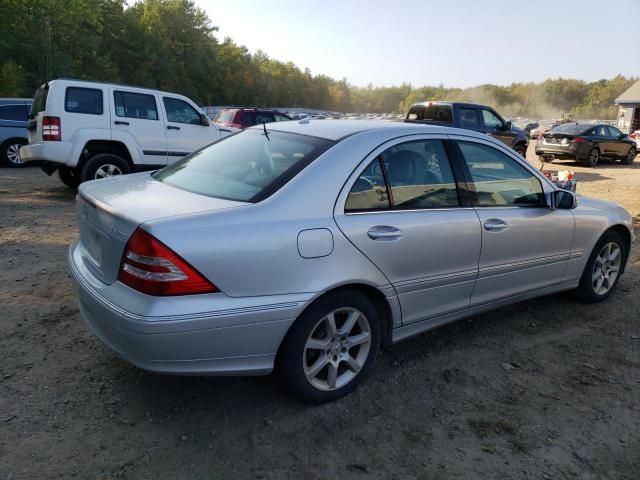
<point x="470" y="116"/>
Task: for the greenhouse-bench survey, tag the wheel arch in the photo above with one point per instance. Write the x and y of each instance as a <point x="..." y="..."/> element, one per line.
<point x="95" y="147"/>
<point x="624" y="232"/>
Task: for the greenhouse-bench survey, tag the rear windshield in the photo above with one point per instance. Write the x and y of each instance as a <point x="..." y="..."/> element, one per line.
<point x="39" y="100"/>
<point x="433" y="113"/>
<point x="225" y="116"/>
<point x="245" y="167"/>
<point x="571" y="129"/>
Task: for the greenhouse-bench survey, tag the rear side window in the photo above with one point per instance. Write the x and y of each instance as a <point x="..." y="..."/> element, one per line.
<point x="180" y="112"/>
<point x="264" y="117"/>
<point x="247" y="119"/>
<point x="14" y="113"/>
<point x="499" y="180"/>
<point x="226" y="116"/>
<point x="40" y="100"/>
<point x="246" y="167"/>
<point x="369" y="192"/>
<point x="469" y="117"/>
<point x="83" y="100"/>
<point x="430" y="113"/>
<point x="135" y="105"/>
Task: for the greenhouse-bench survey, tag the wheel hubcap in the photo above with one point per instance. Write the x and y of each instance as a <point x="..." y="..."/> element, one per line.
<point x="108" y="170"/>
<point x="13" y="153"/>
<point x="337" y="349"/>
<point x="606" y="268"/>
<point x="631" y="155"/>
<point x="593" y="157"/>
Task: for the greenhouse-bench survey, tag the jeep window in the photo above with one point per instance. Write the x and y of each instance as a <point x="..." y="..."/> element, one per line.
<point x="135" y="105"/>
<point x="180" y="112"/>
<point x="83" y="100"/>
<point x="491" y="120"/>
<point x="430" y="113"/>
<point x="14" y="113"/>
<point x="469" y="117"/>
<point x="39" y="100"/>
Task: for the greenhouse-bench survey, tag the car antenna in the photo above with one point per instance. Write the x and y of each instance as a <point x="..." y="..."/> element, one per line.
<point x="266" y="134"/>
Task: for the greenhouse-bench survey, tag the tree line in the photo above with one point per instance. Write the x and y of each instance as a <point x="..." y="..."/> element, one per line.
<point x="171" y="45"/>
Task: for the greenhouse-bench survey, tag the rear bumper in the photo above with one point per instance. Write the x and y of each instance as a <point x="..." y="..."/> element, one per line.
<point x="224" y="342"/>
<point x="559" y="152"/>
<point x="54" y="152"/>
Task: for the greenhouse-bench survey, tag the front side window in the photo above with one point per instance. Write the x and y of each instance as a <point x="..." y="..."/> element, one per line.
<point x="83" y="100"/>
<point x="490" y="119"/>
<point x="264" y="117"/>
<point x="469" y="117"/>
<point x="135" y="105"/>
<point x="614" y="132"/>
<point x="14" y="113"/>
<point x="499" y="180"/>
<point x="246" y="119"/>
<point x="179" y="111"/>
<point x="281" y="118"/>
<point x="246" y="167"/>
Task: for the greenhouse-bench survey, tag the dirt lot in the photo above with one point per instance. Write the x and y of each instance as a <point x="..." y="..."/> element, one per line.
<point x="543" y="389"/>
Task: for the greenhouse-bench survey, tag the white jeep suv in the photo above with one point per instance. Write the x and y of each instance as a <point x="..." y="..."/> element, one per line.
<point x="89" y="130"/>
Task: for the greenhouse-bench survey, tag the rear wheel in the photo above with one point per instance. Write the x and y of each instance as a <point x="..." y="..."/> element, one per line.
<point x="10" y="153"/>
<point x="602" y="272"/>
<point x="69" y="176"/>
<point x="631" y="156"/>
<point x="331" y="347"/>
<point x="104" y="165"/>
<point x="594" y="157"/>
<point x="543" y="159"/>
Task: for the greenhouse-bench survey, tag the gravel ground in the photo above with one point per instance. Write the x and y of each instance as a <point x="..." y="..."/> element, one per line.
<point x="543" y="389"/>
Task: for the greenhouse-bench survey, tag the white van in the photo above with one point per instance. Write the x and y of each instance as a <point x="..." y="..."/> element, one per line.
<point x="90" y="130"/>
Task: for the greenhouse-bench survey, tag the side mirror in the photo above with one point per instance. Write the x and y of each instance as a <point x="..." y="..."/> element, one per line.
<point x="565" y="200"/>
<point x="204" y="120"/>
<point x="506" y="126"/>
<point x="621" y="136"/>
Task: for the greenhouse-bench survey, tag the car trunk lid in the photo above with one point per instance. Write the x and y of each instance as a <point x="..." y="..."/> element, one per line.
<point x="110" y="210"/>
<point x="558" y="139"/>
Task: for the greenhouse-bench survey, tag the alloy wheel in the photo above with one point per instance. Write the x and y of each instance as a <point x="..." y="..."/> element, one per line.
<point x="631" y="156"/>
<point x="337" y="349"/>
<point x="594" y="157"/>
<point x="13" y="154"/>
<point x="107" y="170"/>
<point x="606" y="268"/>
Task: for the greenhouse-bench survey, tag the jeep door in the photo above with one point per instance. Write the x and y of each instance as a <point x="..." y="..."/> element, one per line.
<point x="136" y="123"/>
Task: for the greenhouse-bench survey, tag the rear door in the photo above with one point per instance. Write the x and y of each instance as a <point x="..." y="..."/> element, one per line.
<point x="402" y="210"/>
<point x="185" y="132"/>
<point x="135" y="120"/>
<point x="525" y="244"/>
<point x="601" y="138"/>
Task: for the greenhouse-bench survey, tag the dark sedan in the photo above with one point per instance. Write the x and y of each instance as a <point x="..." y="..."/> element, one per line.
<point x="586" y="142"/>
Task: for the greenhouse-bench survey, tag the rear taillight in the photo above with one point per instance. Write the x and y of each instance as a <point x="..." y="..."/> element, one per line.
<point x="579" y="140"/>
<point x="151" y="267"/>
<point x="51" y="129"/>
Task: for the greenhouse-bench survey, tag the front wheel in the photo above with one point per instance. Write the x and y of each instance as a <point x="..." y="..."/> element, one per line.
<point x="631" y="156"/>
<point x="521" y="150"/>
<point x="10" y="153"/>
<point x="603" y="269"/>
<point x="331" y="347"/>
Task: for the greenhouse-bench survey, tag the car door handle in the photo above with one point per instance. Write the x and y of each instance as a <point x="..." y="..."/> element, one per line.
<point x="495" y="224"/>
<point x="172" y="127"/>
<point x="384" y="232"/>
<point x="118" y="122"/>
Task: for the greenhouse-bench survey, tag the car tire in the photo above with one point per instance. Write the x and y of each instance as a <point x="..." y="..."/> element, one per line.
<point x="10" y="153"/>
<point x="543" y="159"/>
<point x="318" y="363"/>
<point x="69" y="176"/>
<point x="521" y="150"/>
<point x="596" y="283"/>
<point x="631" y="156"/>
<point x="104" y="165"/>
<point x="594" y="157"/>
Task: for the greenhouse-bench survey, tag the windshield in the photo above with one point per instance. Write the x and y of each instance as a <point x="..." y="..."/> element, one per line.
<point x="246" y="167"/>
<point x="39" y="100"/>
<point x="570" y="128"/>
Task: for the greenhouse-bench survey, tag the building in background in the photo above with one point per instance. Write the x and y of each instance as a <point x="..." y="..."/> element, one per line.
<point x="629" y="109"/>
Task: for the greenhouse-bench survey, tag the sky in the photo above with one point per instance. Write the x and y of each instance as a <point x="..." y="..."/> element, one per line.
<point x="457" y="43"/>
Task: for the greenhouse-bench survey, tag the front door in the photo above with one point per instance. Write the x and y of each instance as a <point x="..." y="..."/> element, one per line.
<point x="525" y="244"/>
<point x="493" y="125"/>
<point x="403" y="212"/>
<point x="185" y="132"/>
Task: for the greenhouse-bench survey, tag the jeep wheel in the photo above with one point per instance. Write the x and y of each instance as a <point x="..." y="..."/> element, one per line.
<point x="104" y="165"/>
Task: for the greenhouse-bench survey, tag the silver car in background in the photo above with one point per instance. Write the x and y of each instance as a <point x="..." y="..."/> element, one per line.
<point x="305" y="246"/>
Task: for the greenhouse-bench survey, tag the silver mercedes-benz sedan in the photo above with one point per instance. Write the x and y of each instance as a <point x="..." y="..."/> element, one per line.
<point x="306" y="246"/>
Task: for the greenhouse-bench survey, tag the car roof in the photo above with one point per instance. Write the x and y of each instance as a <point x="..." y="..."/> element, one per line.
<point x="447" y="102"/>
<point x="336" y="130"/>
